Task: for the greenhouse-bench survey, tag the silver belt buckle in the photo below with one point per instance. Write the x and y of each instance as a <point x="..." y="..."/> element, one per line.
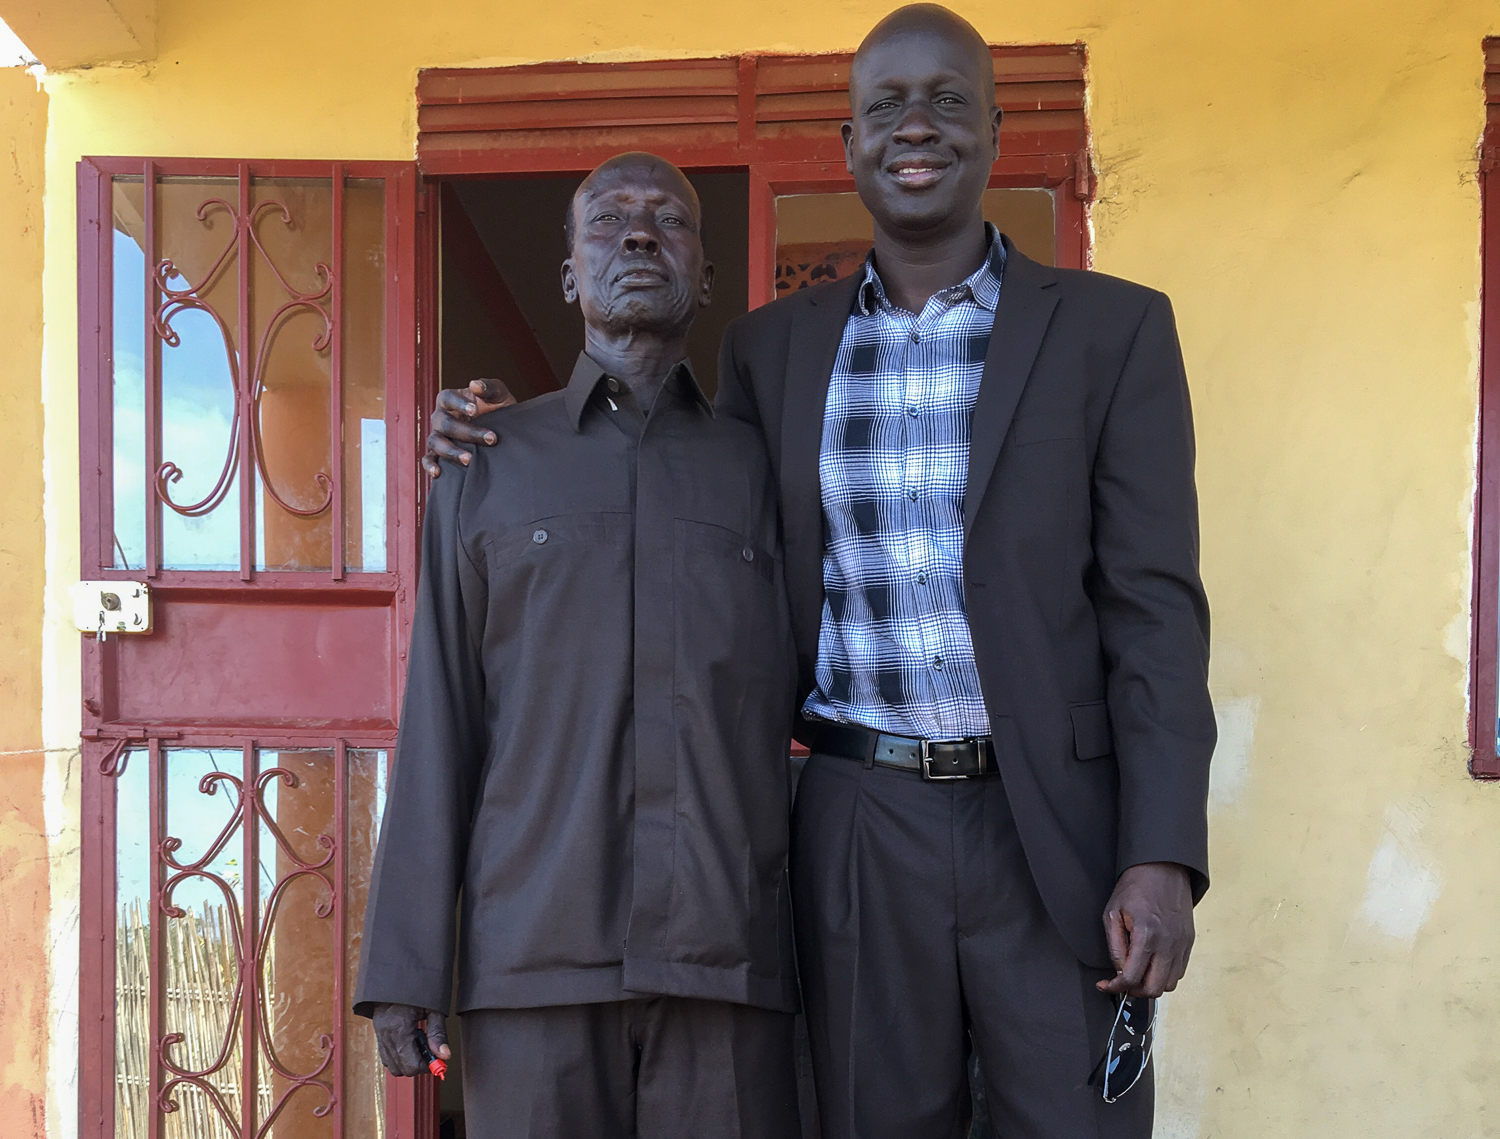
<point x="981" y="746"/>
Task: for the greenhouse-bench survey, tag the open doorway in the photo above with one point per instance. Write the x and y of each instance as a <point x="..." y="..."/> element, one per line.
<point x="502" y="313"/>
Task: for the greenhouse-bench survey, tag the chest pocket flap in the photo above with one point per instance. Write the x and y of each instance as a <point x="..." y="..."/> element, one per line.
<point x="1091" y="734"/>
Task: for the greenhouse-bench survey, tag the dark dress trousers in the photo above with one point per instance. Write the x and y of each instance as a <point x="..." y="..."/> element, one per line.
<point x="648" y="1068"/>
<point x="1090" y="632"/>
<point x="593" y="746"/>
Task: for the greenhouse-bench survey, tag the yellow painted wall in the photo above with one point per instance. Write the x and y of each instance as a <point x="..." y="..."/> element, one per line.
<point x="1300" y="177"/>
<point x="24" y="891"/>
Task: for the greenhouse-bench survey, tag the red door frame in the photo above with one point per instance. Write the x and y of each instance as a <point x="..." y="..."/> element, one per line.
<point x="774" y="116"/>
<point x="1484" y="643"/>
<point x="1048" y="160"/>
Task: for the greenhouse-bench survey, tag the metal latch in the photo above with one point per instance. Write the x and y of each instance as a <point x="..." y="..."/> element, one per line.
<point x="105" y="607"/>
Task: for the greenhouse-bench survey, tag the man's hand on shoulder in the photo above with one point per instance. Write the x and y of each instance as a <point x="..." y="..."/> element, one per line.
<point x="396" y="1029"/>
<point x="1149" y="926"/>
<point x="452" y="422"/>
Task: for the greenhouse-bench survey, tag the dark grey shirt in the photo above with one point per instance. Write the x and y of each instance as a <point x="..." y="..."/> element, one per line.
<point x="593" y="746"/>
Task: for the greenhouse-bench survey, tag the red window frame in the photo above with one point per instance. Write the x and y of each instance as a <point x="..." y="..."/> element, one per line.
<point x="1484" y="762"/>
<point x="775" y="116"/>
<point x="107" y="734"/>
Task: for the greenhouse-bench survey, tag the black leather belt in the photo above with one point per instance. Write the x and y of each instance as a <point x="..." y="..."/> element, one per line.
<point x="935" y="760"/>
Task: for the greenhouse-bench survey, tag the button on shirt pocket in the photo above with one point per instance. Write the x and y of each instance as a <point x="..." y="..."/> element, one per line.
<point x="728" y="588"/>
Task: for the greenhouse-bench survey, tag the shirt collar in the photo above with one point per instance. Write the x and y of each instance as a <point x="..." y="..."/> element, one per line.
<point x="588" y="374"/>
<point x="981" y="286"/>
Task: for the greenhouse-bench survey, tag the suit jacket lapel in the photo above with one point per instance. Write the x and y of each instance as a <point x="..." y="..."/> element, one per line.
<point x="1021" y="318"/>
<point x="813" y="344"/>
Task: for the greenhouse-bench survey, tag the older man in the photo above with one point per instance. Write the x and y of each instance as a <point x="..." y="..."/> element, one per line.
<point x="592" y="754"/>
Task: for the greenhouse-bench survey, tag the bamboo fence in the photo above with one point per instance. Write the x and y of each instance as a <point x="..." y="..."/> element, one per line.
<point x="201" y="974"/>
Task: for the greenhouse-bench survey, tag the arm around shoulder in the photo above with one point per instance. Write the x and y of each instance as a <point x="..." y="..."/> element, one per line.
<point x="736" y="395"/>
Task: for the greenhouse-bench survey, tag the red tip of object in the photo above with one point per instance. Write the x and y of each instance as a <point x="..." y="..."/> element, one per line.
<point x="438" y="1068"/>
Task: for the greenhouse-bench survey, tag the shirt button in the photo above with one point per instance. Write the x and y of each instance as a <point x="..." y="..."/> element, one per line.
<point x="613" y="384"/>
<point x="539" y="536"/>
<point x="916" y="337"/>
<point x="937" y="663"/>
<point x="911" y="411"/>
<point x="912" y="494"/>
<point x="921" y="579"/>
<point x="748" y="554"/>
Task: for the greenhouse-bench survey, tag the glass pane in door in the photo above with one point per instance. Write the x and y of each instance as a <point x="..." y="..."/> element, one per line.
<point x="264" y="876"/>
<point x="308" y="303"/>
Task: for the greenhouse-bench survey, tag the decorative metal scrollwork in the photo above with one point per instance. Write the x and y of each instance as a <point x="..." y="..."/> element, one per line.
<point x="250" y="951"/>
<point x="249" y="384"/>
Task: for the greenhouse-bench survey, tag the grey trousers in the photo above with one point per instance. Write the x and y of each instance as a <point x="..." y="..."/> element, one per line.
<point x="654" y="1068"/>
<point x="919" y="930"/>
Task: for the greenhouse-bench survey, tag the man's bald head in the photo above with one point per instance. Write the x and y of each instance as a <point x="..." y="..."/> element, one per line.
<point x="635" y="165"/>
<point x="923" y="129"/>
<point x="927" y="20"/>
<point x="635" y="251"/>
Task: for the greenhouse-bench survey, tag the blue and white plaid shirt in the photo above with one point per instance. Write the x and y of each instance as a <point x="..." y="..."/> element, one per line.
<point x="894" y="651"/>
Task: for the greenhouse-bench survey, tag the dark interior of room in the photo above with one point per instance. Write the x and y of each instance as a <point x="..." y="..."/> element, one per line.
<point x="502" y="310"/>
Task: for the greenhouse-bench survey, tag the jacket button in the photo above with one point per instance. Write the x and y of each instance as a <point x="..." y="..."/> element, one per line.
<point x="539" y="536"/>
<point x="614" y="384"/>
<point x="748" y="554"/>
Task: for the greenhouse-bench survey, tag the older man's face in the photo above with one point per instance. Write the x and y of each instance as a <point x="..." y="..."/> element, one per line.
<point x="637" y="261"/>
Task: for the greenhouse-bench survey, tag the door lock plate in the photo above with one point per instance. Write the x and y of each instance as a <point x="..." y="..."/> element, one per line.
<point x="105" y="607"/>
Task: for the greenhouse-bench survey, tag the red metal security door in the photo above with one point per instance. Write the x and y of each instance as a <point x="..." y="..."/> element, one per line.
<point x="248" y="440"/>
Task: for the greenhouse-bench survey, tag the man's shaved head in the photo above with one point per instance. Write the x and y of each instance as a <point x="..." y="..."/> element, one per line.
<point x="632" y="164"/>
<point x="927" y="20"/>
<point x="635" y="262"/>
<point x="923" y="129"/>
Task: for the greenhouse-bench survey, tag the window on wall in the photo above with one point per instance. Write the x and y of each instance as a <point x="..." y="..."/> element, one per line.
<point x="1484" y="726"/>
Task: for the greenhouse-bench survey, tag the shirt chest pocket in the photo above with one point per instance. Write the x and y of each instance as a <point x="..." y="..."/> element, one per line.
<point x="730" y="604"/>
<point x="559" y="559"/>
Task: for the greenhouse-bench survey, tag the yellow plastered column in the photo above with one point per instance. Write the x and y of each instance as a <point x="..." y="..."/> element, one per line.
<point x="24" y="886"/>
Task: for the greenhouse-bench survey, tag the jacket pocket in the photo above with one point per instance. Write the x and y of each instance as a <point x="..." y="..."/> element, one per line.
<point x="1091" y="735"/>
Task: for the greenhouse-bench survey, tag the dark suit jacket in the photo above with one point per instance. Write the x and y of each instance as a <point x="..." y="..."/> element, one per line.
<point x="1089" y="620"/>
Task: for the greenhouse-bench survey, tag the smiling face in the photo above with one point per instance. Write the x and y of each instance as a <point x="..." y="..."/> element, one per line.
<point x="636" y="263"/>
<point x="923" y="129"/>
